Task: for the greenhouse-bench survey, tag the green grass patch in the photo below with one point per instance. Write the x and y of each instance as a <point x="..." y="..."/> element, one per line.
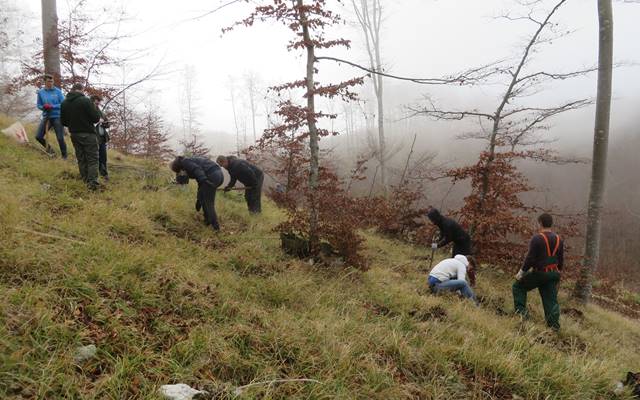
<point x="165" y="299"/>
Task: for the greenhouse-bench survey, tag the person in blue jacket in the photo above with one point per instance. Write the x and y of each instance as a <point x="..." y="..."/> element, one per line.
<point x="49" y="100"/>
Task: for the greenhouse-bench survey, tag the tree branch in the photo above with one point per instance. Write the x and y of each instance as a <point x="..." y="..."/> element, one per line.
<point x="469" y="77"/>
<point x="557" y="76"/>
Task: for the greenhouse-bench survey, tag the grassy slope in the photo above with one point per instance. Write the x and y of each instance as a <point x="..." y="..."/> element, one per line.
<point x="166" y="300"/>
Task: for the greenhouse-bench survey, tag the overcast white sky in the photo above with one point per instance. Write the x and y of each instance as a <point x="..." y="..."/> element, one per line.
<point x="422" y="38"/>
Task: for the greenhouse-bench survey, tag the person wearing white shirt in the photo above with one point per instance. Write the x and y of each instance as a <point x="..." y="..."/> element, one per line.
<point x="454" y="274"/>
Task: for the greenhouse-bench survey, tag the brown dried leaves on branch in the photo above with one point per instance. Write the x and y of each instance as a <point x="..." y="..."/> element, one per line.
<point x="285" y="148"/>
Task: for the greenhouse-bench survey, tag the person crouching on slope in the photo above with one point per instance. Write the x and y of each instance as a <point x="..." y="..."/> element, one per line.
<point x="209" y="177"/>
<point x="451" y="275"/>
<point x="541" y="269"/>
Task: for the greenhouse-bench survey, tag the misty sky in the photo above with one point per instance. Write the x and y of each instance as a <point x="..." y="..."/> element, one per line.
<point x="421" y="38"/>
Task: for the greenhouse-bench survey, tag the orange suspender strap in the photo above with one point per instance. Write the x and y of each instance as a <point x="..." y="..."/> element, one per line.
<point x="546" y="241"/>
<point x="555" y="250"/>
<point x="551" y="267"/>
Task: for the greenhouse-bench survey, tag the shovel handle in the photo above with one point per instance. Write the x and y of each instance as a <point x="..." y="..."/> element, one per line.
<point x="237" y="188"/>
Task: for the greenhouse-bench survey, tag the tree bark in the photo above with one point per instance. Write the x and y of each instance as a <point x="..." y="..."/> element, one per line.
<point x="600" y="147"/>
<point x="251" y="86"/>
<point x="50" y="41"/>
<point x="314" y="139"/>
<point x="370" y="20"/>
<point x="235" y="118"/>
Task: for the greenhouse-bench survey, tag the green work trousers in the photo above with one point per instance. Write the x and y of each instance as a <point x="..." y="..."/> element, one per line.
<point x="86" y="146"/>
<point x="547" y="284"/>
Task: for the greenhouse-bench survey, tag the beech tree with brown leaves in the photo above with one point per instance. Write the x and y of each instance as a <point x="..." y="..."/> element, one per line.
<point x="308" y="21"/>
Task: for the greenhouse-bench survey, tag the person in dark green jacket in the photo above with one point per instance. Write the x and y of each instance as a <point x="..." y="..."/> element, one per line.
<point x="80" y="115"/>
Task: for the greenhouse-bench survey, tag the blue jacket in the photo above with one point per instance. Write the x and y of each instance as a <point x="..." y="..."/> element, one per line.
<point x="52" y="96"/>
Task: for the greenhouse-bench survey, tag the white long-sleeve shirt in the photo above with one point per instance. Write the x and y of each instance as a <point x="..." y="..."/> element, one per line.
<point x="451" y="268"/>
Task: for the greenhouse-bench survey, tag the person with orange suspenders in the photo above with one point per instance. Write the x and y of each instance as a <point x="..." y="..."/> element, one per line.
<point x="541" y="269"/>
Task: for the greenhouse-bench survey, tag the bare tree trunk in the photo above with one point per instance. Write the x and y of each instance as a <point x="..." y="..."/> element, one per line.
<point x="50" y="41"/>
<point x="314" y="138"/>
<point x="235" y="118"/>
<point x="251" y="86"/>
<point x="370" y="19"/>
<point x="600" y="147"/>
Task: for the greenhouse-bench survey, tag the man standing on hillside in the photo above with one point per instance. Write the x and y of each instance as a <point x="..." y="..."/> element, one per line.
<point x="80" y="115"/>
<point x="450" y="231"/>
<point x="541" y="270"/>
<point x="49" y="100"/>
<point x="103" y="139"/>
<point x="249" y="175"/>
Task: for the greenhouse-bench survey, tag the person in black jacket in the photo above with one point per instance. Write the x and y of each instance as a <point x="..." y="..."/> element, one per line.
<point x="103" y="139"/>
<point x="450" y="231"/>
<point x="249" y="175"/>
<point x="209" y="177"/>
<point x="541" y="269"/>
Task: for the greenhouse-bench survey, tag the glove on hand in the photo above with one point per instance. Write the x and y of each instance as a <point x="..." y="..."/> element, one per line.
<point x="519" y="275"/>
<point x="47" y="106"/>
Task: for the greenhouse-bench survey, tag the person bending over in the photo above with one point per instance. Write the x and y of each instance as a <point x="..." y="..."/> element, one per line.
<point x="209" y="177"/>
<point x="249" y="175"/>
<point x="450" y="231"/>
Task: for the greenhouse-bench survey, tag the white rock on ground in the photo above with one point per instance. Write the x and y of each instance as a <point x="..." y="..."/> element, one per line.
<point x="179" y="391"/>
<point x="84" y="353"/>
<point x="618" y="388"/>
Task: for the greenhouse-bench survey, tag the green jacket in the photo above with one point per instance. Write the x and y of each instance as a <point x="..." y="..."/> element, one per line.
<point x="78" y="113"/>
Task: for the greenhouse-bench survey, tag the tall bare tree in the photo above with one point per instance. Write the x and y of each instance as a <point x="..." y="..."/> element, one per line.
<point x="600" y="147"/>
<point x="231" y="84"/>
<point x="191" y="141"/>
<point x="50" y="42"/>
<point x="369" y="14"/>
<point x="511" y="125"/>
<point x="252" y="81"/>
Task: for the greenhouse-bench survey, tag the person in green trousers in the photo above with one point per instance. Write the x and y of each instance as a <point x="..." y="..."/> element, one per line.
<point x="80" y="115"/>
<point x="541" y="269"/>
